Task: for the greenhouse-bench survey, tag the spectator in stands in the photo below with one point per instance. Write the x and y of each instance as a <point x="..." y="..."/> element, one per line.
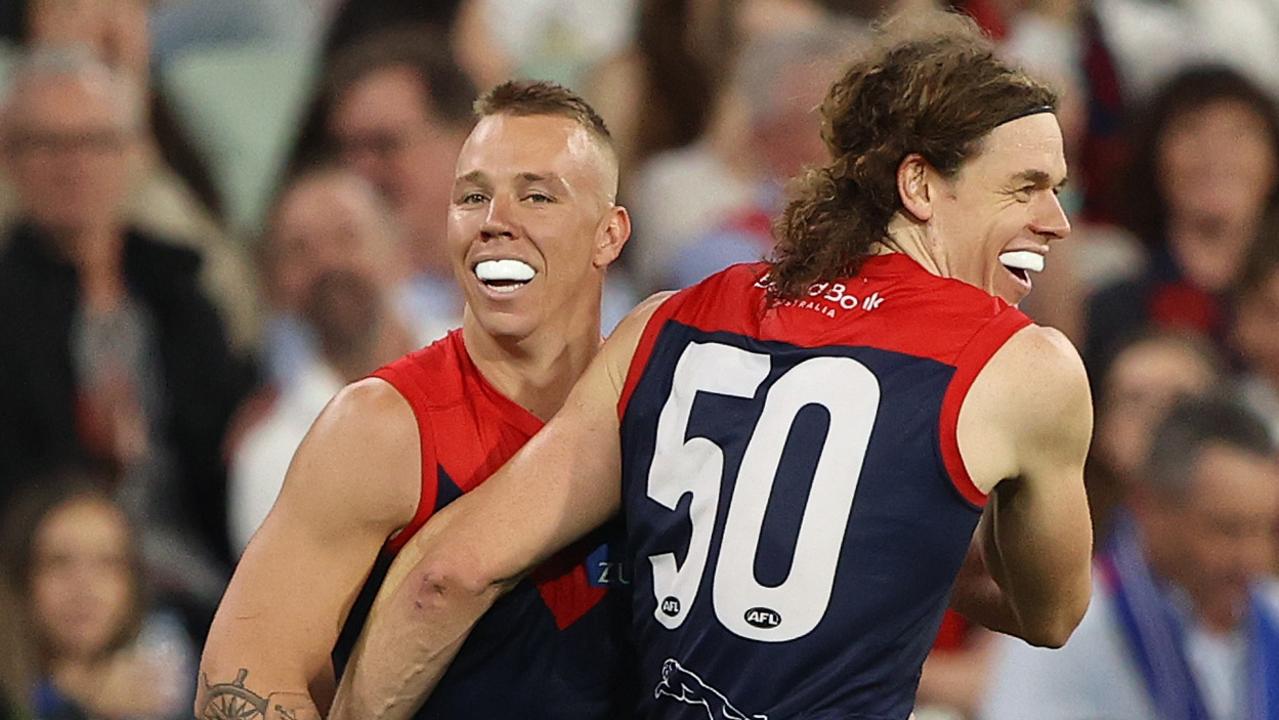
<point x="770" y="99"/>
<point x="1205" y="174"/>
<point x="1184" y="619"/>
<point x="171" y="189"/>
<point x="110" y="348"/>
<point x="95" y="648"/>
<point x="1147" y="376"/>
<point x="116" y="34"/>
<point x="779" y="82"/>
<point x="327" y="219"/>
<point x="396" y="110"/>
<point x="334" y="268"/>
<point x="1256" y="329"/>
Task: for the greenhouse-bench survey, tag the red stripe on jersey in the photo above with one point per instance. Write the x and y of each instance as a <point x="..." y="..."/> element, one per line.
<point x="565" y="587"/>
<point x="971" y="360"/>
<point x="892" y="304"/>
<point x="415" y="395"/>
<point x="644" y="349"/>
<point x="470" y="429"/>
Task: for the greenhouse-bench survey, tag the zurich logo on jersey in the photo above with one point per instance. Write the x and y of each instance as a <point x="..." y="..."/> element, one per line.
<point x="603" y="570"/>
<point x="683" y="685"/>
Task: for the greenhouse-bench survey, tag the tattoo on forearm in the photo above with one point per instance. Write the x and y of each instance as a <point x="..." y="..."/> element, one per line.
<point x="232" y="701"/>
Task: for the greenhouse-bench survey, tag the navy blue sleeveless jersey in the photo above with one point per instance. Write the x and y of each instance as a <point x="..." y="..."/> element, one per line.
<point x="553" y="647"/>
<point x="795" y="502"/>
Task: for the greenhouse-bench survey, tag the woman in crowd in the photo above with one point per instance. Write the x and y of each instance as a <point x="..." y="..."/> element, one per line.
<point x="1204" y="177"/>
<point x="90" y="649"/>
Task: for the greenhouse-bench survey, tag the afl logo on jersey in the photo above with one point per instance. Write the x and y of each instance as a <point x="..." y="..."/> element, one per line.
<point x="762" y="617"/>
<point x="670" y="606"/>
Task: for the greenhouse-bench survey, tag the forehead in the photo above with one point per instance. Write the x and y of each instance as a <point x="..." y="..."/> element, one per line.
<point x="80" y="519"/>
<point x="326" y="206"/>
<point x="1231" y="112"/>
<point x="1234" y="474"/>
<point x="337" y="191"/>
<point x="64" y="100"/>
<point x="1160" y="363"/>
<point x="507" y="145"/>
<point x="1032" y="143"/>
<point x="391" y="92"/>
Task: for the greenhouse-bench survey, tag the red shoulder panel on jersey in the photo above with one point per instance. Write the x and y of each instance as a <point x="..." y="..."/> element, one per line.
<point x="407" y="377"/>
<point x="644" y="349"/>
<point x="971" y="360"/>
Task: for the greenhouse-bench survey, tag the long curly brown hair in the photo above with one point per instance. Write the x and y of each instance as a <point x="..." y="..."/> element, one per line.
<point x="932" y="86"/>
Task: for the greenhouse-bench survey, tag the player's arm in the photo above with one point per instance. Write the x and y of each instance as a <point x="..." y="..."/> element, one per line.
<point x="561" y="485"/>
<point x="1024" y="429"/>
<point x="350" y="485"/>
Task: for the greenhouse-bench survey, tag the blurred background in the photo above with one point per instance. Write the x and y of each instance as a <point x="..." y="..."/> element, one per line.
<point x="215" y="213"/>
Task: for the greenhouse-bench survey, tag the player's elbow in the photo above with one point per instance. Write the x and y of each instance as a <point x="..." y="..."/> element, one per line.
<point x="1049" y="635"/>
<point x="1054" y="630"/>
<point x="440" y="585"/>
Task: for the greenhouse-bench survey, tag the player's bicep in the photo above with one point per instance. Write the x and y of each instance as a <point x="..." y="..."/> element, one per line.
<point x="1030" y="414"/>
<point x="292" y="589"/>
<point x="1051" y="435"/>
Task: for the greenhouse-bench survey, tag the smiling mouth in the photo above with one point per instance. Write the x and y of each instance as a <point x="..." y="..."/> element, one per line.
<point x="1021" y="263"/>
<point x="504" y="276"/>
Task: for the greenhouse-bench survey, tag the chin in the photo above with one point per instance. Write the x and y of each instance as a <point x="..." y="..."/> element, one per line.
<point x="506" y="326"/>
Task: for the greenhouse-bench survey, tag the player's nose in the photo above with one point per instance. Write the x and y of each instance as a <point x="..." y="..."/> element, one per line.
<point x="1050" y="218"/>
<point x="499" y="220"/>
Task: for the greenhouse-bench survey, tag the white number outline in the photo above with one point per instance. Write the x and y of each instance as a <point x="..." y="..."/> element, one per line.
<point x="850" y="393"/>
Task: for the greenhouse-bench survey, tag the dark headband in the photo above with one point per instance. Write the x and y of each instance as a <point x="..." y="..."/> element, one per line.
<point x="1026" y="113"/>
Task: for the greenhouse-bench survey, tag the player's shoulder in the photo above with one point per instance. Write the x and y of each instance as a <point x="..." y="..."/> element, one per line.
<point x="1037" y="355"/>
<point x="362" y="452"/>
<point x="368" y="413"/>
<point x="1038" y="381"/>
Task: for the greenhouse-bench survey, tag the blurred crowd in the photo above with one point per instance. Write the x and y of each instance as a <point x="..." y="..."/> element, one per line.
<point x="215" y="214"/>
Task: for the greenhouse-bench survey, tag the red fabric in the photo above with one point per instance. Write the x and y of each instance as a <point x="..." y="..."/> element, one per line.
<point x="469" y="430"/>
<point x="891" y="304"/>
<point x="954" y="632"/>
<point x="987" y="14"/>
<point x="1180" y="305"/>
<point x="973" y="358"/>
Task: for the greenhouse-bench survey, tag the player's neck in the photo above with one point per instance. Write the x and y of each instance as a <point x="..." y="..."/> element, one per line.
<point x="911" y="239"/>
<point x="536" y="372"/>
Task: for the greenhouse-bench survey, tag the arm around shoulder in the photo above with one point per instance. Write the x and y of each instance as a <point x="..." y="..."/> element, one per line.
<point x="352" y="483"/>
<point x="562" y="484"/>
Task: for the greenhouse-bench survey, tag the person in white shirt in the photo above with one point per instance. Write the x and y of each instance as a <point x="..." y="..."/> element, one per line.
<point x="1184" y="619"/>
<point x="335" y="273"/>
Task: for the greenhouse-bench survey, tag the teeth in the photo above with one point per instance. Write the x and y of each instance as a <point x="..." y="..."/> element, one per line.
<point x="1023" y="260"/>
<point x="504" y="271"/>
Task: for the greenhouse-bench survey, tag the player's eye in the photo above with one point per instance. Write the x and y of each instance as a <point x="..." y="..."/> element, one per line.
<point x="472" y="198"/>
<point x="539" y="197"/>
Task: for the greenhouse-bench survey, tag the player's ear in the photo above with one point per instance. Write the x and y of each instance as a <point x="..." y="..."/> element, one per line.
<point x="912" y="187"/>
<point x="612" y="236"/>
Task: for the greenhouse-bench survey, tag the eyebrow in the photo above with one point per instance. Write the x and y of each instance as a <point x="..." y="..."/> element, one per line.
<point x="477" y="177"/>
<point x="551" y="178"/>
<point x="1038" y="178"/>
